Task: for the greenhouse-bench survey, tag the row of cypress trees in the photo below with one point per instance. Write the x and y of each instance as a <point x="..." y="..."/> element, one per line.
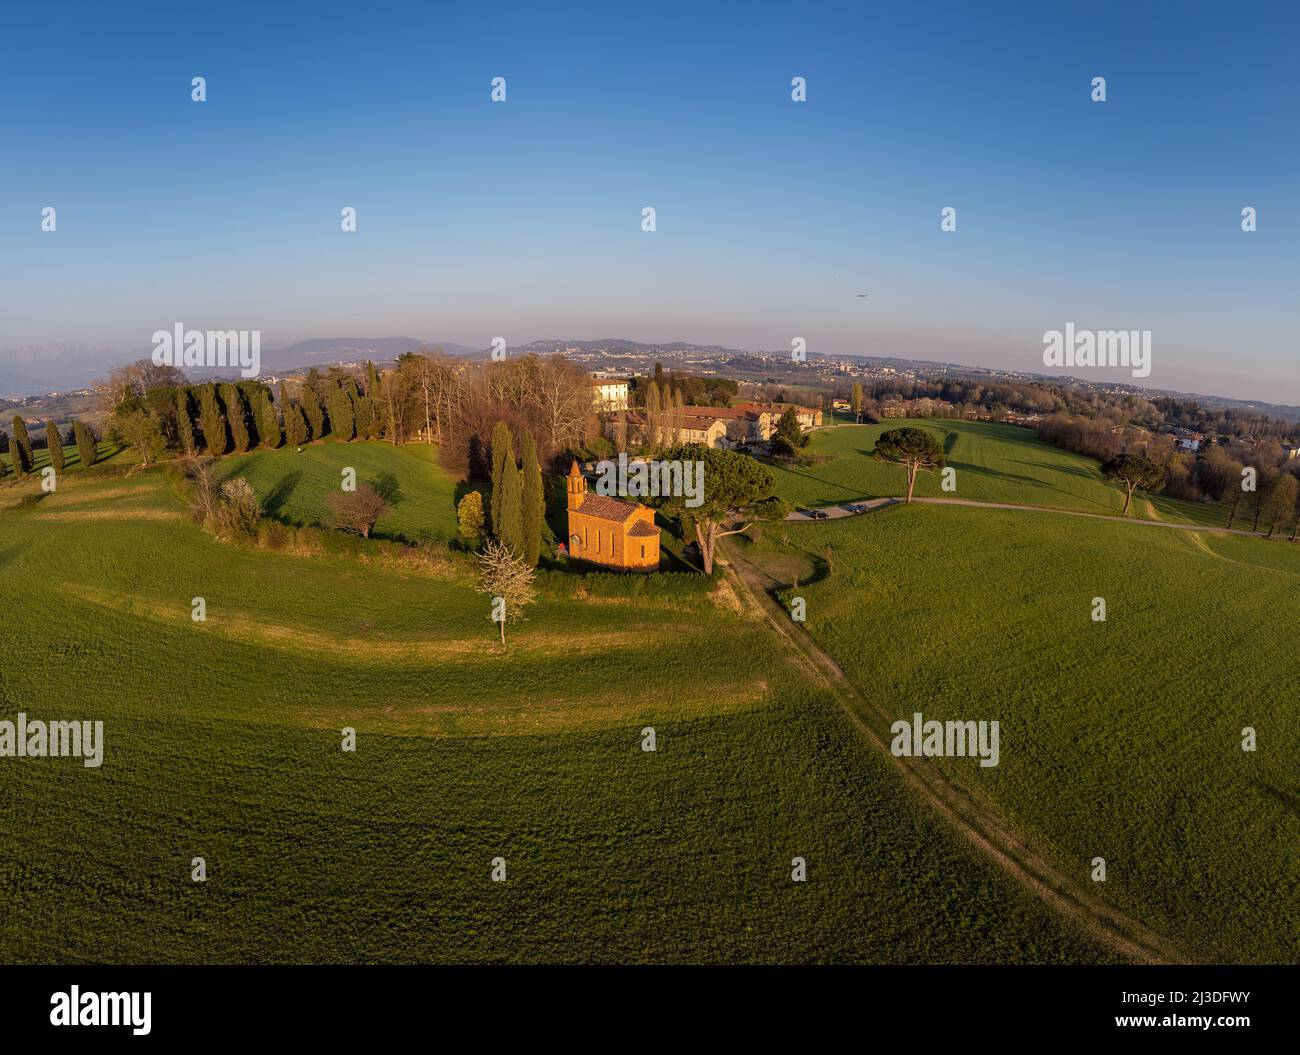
<point x="24" y="458"/>
<point x="517" y="499"/>
<point x="233" y="418"/>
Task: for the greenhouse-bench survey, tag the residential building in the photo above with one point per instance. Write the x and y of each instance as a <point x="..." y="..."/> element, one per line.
<point x="809" y="417"/>
<point x="609" y="395"/>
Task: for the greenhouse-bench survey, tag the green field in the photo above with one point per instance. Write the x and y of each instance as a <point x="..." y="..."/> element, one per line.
<point x="994" y="463"/>
<point x="223" y="742"/>
<point x="1120" y="739"/>
<point x="293" y="485"/>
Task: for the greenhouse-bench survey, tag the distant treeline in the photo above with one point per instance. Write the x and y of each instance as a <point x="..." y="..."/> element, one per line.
<point x="1111" y="408"/>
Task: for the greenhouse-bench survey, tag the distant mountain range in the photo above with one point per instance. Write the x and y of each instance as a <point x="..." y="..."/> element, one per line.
<point x="39" y="370"/>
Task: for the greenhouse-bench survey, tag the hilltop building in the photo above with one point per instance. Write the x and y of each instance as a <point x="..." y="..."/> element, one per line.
<point x="608" y="394"/>
<point x="610" y="531"/>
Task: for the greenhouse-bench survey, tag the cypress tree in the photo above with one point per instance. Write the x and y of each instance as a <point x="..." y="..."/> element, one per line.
<point x="652" y="415"/>
<point x="532" y="501"/>
<point x="22" y="446"/>
<point x="295" y="425"/>
<point x="236" y="417"/>
<point x="365" y="414"/>
<point x="502" y="451"/>
<point x="184" y="420"/>
<point x="211" y="421"/>
<point x="342" y="415"/>
<point x="86" y="446"/>
<point x="312" y="410"/>
<point x="268" y="425"/>
<point x="511" y="531"/>
<point x="374" y="389"/>
<point x="55" y="444"/>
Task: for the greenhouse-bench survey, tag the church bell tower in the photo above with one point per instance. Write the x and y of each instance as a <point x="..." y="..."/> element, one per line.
<point x="577" y="487"/>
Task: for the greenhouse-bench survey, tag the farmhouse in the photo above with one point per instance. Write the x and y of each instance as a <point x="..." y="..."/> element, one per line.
<point x="809" y="417"/>
<point x="610" y="531"/>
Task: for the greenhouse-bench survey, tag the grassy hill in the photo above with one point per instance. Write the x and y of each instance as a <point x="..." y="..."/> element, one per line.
<point x="223" y="742"/>
<point x="994" y="463"/>
<point x="1120" y="739"/>
<point x="293" y="485"/>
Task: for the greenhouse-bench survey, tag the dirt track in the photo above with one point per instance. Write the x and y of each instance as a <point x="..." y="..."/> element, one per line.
<point x="976" y="820"/>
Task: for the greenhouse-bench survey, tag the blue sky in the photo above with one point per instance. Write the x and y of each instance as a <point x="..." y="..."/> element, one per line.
<point x="522" y="219"/>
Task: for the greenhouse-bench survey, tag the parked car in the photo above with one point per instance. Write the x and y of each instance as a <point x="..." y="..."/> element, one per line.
<point x="820" y="514"/>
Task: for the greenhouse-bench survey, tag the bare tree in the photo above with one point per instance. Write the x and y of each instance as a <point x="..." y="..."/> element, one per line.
<point x="508" y="580"/>
<point x="134" y="379"/>
<point x="355" y="511"/>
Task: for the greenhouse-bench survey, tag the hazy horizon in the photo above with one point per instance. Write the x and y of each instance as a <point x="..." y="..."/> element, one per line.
<point x="522" y="219"/>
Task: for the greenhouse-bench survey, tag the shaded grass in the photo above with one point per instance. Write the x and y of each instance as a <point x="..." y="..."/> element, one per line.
<point x="293" y="486"/>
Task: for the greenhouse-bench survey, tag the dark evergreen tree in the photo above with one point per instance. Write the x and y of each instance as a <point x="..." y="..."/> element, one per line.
<point x="374" y="391"/>
<point x="86" y="446"/>
<point x="532" y="502"/>
<point x="295" y="426"/>
<point x="55" y="443"/>
<point x="503" y="451"/>
<point x="511" y="531"/>
<point x="212" y="421"/>
<point x="312" y="407"/>
<point x="184" y="420"/>
<point x="268" y="424"/>
<point x="236" y="417"/>
<point x="22" y="446"/>
<point x="342" y="414"/>
<point x="365" y="414"/>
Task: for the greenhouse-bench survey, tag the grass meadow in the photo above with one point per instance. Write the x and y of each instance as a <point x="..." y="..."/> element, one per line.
<point x="994" y="462"/>
<point x="293" y="485"/>
<point x="223" y="741"/>
<point x="1121" y="739"/>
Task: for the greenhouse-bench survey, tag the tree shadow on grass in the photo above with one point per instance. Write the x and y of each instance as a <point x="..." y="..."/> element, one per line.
<point x="8" y="555"/>
<point x="387" y="486"/>
<point x="1287" y="799"/>
<point x="275" y="499"/>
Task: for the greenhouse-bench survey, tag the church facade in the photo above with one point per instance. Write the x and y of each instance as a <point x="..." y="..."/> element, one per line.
<point x="610" y="531"/>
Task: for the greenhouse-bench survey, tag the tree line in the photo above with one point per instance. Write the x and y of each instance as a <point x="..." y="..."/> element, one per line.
<point x="22" y="449"/>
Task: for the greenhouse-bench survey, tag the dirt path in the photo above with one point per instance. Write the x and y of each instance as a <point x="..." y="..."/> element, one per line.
<point x="840" y="511"/>
<point x="976" y="820"/>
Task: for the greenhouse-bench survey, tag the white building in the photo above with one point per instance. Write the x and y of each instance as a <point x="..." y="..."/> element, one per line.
<point x="608" y="394"/>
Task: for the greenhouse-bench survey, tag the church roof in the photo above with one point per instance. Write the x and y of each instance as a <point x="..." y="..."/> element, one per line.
<point x="643" y="530"/>
<point x="602" y="507"/>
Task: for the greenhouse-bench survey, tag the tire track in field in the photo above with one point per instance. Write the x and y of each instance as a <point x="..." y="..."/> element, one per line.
<point x="976" y="820"/>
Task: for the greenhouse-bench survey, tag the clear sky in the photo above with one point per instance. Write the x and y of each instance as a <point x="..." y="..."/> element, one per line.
<point x="523" y="219"/>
